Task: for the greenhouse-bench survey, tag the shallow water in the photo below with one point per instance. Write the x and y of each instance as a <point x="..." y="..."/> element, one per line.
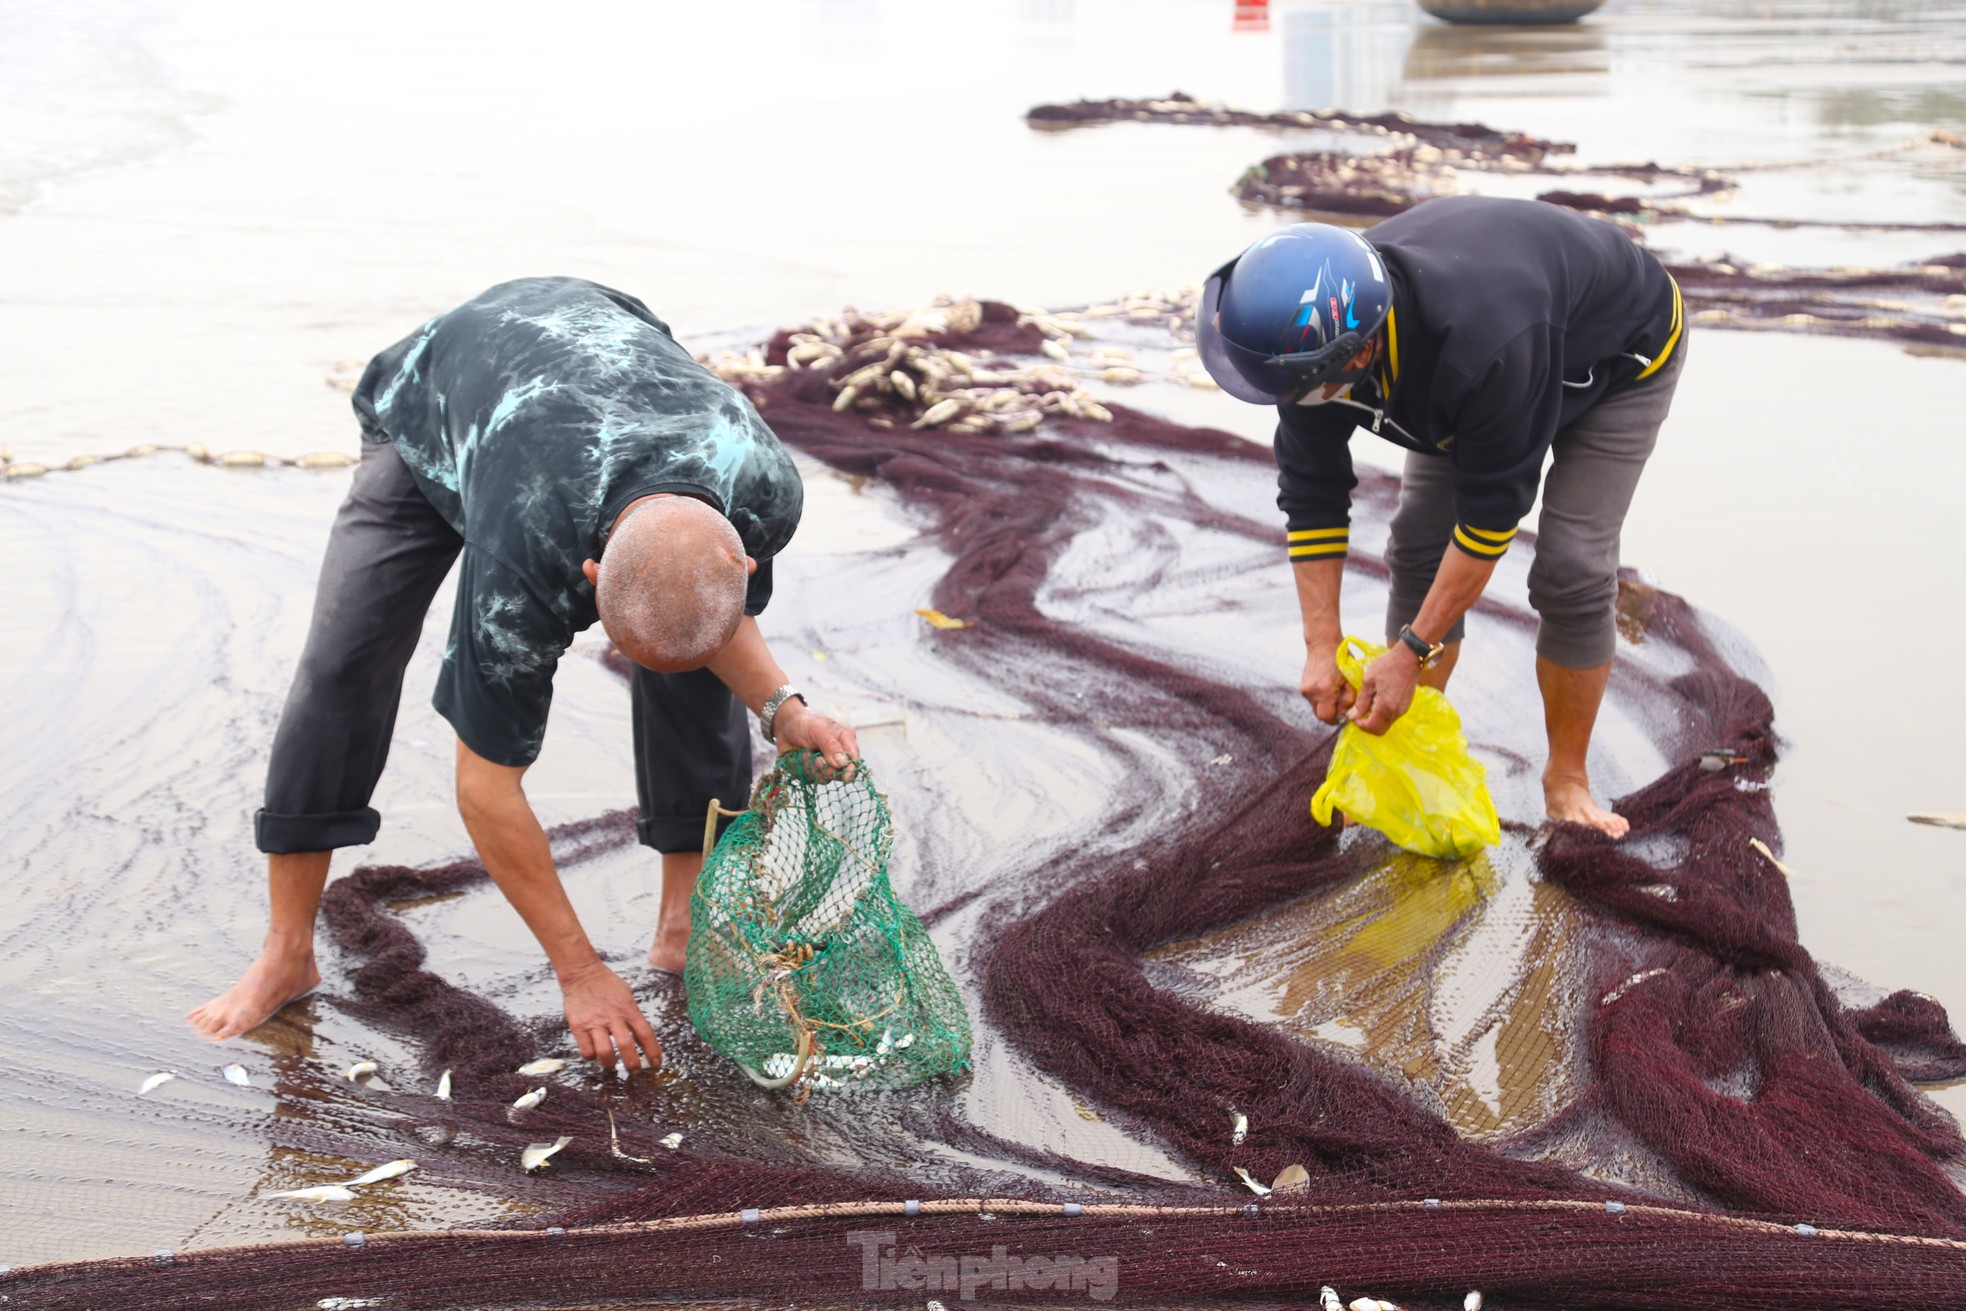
<point x="187" y="260"/>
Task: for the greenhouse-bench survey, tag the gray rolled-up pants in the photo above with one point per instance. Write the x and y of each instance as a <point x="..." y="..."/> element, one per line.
<point x="1594" y="468"/>
<point x="388" y="553"/>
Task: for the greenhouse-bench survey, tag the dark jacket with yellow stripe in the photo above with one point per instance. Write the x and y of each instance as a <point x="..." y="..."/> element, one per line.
<point x="1510" y="319"/>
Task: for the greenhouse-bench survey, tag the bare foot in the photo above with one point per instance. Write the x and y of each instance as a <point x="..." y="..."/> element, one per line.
<point x="269" y="983"/>
<point x="1569" y="802"/>
<point x="670" y="947"/>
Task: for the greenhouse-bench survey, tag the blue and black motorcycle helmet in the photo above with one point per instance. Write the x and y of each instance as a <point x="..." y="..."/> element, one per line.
<point x="1289" y="313"/>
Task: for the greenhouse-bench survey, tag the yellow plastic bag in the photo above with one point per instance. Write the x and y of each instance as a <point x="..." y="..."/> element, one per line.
<point x="1416" y="783"/>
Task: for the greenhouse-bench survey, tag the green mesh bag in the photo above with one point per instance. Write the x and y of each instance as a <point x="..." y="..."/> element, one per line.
<point x="803" y="965"/>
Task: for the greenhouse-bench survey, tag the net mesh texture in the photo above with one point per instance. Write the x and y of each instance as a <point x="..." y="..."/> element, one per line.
<point x="1738" y="1135"/>
<point x="804" y="968"/>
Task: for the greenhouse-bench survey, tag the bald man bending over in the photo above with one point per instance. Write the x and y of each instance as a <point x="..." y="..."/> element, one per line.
<point x="555" y="437"/>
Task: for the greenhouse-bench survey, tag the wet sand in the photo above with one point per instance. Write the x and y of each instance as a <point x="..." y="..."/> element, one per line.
<point x="281" y="219"/>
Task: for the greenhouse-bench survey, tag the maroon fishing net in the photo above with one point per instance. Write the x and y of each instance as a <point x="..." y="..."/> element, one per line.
<point x="1400" y="161"/>
<point x="1734" y="1131"/>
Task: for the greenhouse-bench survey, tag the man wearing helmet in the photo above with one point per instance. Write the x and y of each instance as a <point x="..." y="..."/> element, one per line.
<point x="1484" y="336"/>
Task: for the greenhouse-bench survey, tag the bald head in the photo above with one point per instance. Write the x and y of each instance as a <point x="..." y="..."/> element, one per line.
<point x="671" y="583"/>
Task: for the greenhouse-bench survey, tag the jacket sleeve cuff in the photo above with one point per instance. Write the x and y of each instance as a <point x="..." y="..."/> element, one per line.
<point x="1318" y="543"/>
<point x="1483" y="543"/>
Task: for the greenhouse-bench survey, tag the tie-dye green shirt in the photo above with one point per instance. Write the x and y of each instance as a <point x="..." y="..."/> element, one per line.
<point x="530" y="416"/>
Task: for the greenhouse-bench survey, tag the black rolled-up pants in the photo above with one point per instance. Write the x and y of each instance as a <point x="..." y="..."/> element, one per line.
<point x="387" y="555"/>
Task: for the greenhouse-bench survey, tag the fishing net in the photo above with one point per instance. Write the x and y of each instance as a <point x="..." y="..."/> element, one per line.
<point x="1406" y="161"/>
<point x="1189" y="984"/>
<point x="803" y="965"/>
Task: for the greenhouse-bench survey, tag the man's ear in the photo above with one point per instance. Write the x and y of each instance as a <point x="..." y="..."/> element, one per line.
<point x="593" y="572"/>
<point x="750" y="566"/>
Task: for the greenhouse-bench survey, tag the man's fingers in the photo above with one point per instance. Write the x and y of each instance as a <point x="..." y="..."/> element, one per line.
<point x="624" y="1045"/>
<point x="584" y="1041"/>
<point x="837" y="744"/>
<point x="646" y="1039"/>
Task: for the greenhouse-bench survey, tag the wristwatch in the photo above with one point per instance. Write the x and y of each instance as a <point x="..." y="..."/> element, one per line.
<point x="768" y="717"/>
<point x="1419" y="646"/>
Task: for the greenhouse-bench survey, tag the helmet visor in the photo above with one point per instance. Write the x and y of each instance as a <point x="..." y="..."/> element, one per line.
<point x="1257" y="376"/>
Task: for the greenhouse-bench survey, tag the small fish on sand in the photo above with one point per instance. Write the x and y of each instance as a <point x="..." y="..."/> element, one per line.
<point x="544" y="1065"/>
<point x="324" y="1193"/>
<point x="614" y="1143"/>
<point x="236" y="1074"/>
<point x="389" y="1170"/>
<point x="538" y="1154"/>
<point x="155" y="1081"/>
<point x="1239" y="1129"/>
<point x="1261" y="1190"/>
<point x="360" y="1070"/>
<point x="1327" y="1299"/>
<point x="672" y="1141"/>
<point x="1955" y="820"/>
<point x="444" y="1087"/>
<point x="530" y="1100"/>
<point x="1769" y="856"/>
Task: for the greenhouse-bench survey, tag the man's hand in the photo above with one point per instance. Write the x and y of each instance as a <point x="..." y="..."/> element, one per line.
<point x="798" y="727"/>
<point x="1328" y="690"/>
<point x="1386" y="691"/>
<point x="605" y="1020"/>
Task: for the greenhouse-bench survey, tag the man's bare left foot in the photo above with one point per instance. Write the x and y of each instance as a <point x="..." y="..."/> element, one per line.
<point x="268" y="984"/>
<point x="668" y="952"/>
<point x="1569" y="802"/>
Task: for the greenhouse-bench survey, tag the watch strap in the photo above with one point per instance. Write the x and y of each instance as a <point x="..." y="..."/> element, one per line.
<point x="768" y="715"/>
<point x="1419" y="645"/>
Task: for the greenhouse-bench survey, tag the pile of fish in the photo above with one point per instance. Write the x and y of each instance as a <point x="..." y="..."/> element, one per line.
<point x="1183" y="109"/>
<point x="1330" y="182"/>
<point x="898" y="369"/>
<point x="11" y="469"/>
<point x="1410" y="171"/>
<point x="1917" y="303"/>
